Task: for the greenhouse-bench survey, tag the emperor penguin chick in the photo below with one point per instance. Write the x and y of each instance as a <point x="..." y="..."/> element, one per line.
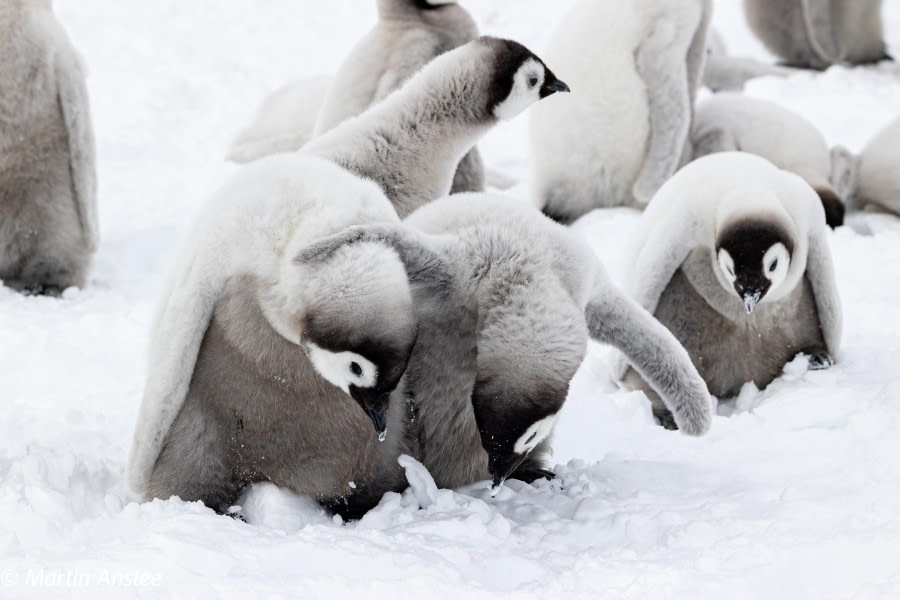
<point x="872" y="179"/>
<point x="816" y="34"/>
<point x="408" y="35"/>
<point x="723" y="72"/>
<point x="412" y="141"/>
<point x="625" y="131"/>
<point x="257" y="361"/>
<point x="506" y="300"/>
<point x="730" y="122"/>
<point x="48" y="214"/>
<point x="732" y="257"/>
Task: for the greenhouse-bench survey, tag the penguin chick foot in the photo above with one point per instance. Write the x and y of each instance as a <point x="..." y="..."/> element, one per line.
<point x="819" y="361"/>
<point x="530" y="474"/>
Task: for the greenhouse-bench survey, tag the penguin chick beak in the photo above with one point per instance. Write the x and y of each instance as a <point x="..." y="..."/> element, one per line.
<point x="379" y="420"/>
<point x="497" y="484"/>
<point x="750" y="301"/>
<point x="553" y="86"/>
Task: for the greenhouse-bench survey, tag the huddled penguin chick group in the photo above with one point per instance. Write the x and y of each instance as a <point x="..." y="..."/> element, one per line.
<point x="732" y="257"/>
<point x="335" y="308"/>
<point x="505" y="301"/>
<point x="48" y="184"/>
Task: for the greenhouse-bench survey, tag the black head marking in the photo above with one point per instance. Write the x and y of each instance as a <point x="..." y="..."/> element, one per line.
<point x="747" y="242"/>
<point x="509" y="56"/>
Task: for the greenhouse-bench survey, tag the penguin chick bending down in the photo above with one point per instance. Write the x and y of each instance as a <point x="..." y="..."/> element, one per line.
<point x="409" y="33"/>
<point x="816" y="34"/>
<point x="257" y="360"/>
<point x="506" y="300"/>
<point x="872" y="179"/>
<point x="48" y="188"/>
<point x="732" y="257"/>
<point x="730" y="122"/>
<point x="636" y="67"/>
<point x="411" y="142"/>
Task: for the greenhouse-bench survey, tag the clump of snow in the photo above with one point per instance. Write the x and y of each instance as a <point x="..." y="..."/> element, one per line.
<point x="794" y="493"/>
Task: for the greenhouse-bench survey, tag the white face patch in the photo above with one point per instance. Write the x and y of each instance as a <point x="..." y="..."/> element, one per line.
<point x="535" y="434"/>
<point x="776" y="263"/>
<point x="726" y="263"/>
<point x="526" y="90"/>
<point x="343" y="369"/>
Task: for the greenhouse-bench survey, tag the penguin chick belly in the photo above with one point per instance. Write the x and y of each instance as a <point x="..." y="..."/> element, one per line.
<point x="730" y="347"/>
<point x="273" y="418"/>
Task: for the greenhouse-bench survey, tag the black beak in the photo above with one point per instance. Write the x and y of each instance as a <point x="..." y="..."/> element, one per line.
<point x="379" y="420"/>
<point x="553" y="86"/>
<point x="498" y="476"/>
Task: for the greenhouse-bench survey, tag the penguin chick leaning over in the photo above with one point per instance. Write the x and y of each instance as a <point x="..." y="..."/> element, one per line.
<point x="872" y="179"/>
<point x="506" y="300"/>
<point x="411" y="142"/>
<point x="258" y="362"/>
<point x="732" y="257"/>
<point x="48" y="181"/>
<point x="815" y="34"/>
<point x="635" y="67"/>
<point x="730" y="122"/>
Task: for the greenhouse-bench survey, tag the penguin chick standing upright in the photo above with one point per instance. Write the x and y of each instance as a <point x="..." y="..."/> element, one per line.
<point x="729" y="122"/>
<point x="816" y="34"/>
<point x="266" y="369"/>
<point x="635" y="67"/>
<point x="505" y="301"/>
<point x="871" y="179"/>
<point x="411" y="142"/>
<point x="732" y="257"/>
<point x="48" y="188"/>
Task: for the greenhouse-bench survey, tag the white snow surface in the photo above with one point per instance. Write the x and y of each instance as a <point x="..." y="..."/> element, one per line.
<point x="795" y="492"/>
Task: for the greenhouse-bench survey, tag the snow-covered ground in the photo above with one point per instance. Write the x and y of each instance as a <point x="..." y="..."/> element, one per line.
<point x="795" y="493"/>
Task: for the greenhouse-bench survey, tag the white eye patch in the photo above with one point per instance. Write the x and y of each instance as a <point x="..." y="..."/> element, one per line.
<point x="535" y="434"/>
<point x="727" y="265"/>
<point x="343" y="369"/>
<point x="526" y="90"/>
<point x="776" y="263"/>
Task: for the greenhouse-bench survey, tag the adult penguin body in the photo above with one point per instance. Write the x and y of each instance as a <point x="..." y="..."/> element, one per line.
<point x="732" y="257"/>
<point x="816" y="34"/>
<point x="731" y="122"/>
<point x="635" y="67"/>
<point x="506" y="300"/>
<point x="48" y="214"/>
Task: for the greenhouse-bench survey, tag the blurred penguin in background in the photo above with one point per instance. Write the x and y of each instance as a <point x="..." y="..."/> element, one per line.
<point x="816" y="34"/>
<point x="48" y="186"/>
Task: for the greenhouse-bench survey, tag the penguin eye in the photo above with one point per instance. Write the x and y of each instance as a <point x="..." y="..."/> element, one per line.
<point x="773" y="266"/>
<point x="355" y="369"/>
<point x="528" y="441"/>
<point x="532" y="81"/>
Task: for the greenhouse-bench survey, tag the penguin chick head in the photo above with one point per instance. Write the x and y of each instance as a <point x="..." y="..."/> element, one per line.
<point x="532" y="338"/>
<point x="519" y="78"/>
<point x="359" y="327"/>
<point x="754" y="257"/>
